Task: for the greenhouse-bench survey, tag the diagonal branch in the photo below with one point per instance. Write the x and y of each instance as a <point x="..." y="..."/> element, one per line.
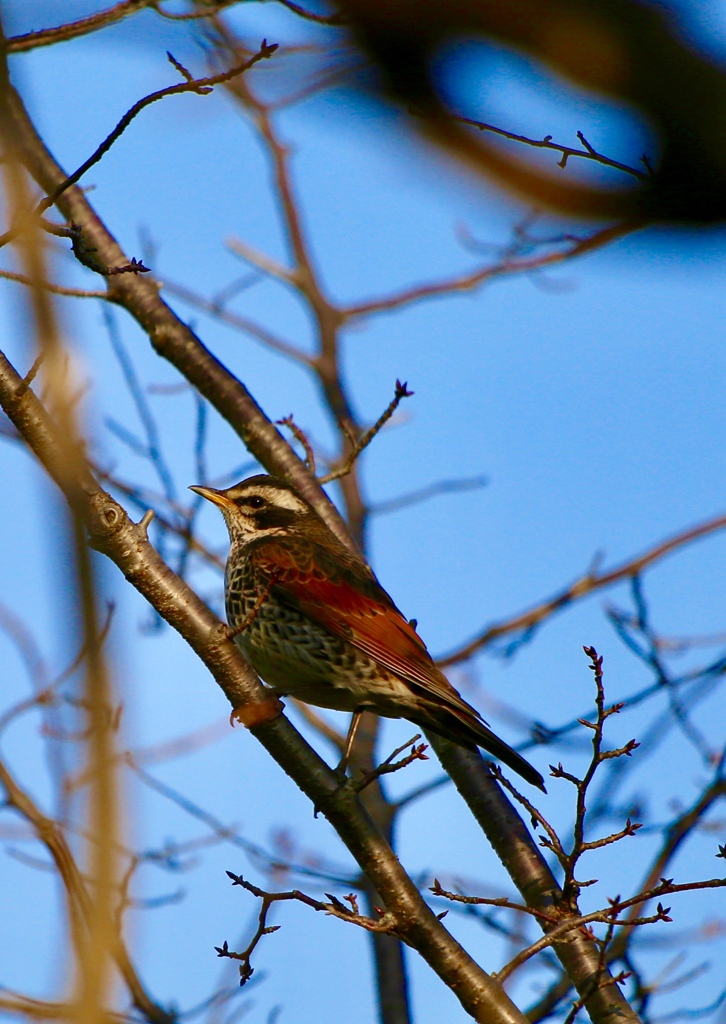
<point x="126" y="544"/>
<point x="361" y="443"/>
<point x="335" y="908"/>
<point x="54" y="289"/>
<point x="583" y="587"/>
<point x="170" y="337"/>
<point x="74" y="29"/>
<point x="200" y="86"/>
<point x="504" y="268"/>
<point x="241" y="323"/>
<point x="529" y="871"/>
<point x="588" y="152"/>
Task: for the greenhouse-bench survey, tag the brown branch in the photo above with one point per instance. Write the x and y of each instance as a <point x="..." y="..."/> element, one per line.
<point x="264" y="263"/>
<point x="73" y="29"/>
<point x="385" y="924"/>
<point x="319" y="19"/>
<point x="571" y="887"/>
<point x="583" y="587"/>
<point x="210" y="9"/>
<point x="552" y="842"/>
<point x="241" y="323"/>
<point x="488" y="901"/>
<point x="468" y="282"/>
<point x="127" y="545"/>
<point x="389" y="766"/>
<point x="299" y="435"/>
<point x="54" y="289"/>
<point x="568" y="861"/>
<point x="171" y="338"/>
<point x="607" y="915"/>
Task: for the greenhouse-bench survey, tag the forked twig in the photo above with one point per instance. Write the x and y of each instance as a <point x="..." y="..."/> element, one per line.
<point x="335" y="908"/>
<point x="389" y="766"/>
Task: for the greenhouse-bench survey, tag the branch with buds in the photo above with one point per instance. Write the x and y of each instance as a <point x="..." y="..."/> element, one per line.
<point x="389" y="766"/>
<point x="358" y="444"/>
<point x="385" y="924"/>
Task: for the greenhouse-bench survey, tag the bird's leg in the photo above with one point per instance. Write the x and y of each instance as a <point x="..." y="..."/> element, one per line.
<point x="343" y="763"/>
<point x="349" y="741"/>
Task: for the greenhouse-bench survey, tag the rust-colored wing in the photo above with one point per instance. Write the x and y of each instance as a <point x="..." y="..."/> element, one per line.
<point x="348" y="601"/>
<point x="343" y="596"/>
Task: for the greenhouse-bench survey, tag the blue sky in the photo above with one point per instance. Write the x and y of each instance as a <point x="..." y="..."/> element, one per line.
<point x="590" y="398"/>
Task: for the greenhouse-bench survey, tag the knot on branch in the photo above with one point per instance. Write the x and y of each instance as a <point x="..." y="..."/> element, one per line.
<point x="106" y="516"/>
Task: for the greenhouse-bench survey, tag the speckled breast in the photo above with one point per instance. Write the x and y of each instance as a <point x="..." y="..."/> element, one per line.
<point x="292" y="653"/>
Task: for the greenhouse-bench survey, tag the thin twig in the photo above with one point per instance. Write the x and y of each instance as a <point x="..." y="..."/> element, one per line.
<point x="587" y="153"/>
<point x="200" y="86"/>
<point x="73" y="29"/>
<point x="387" y="767"/>
<point x="441" y="487"/>
<point x="401" y="392"/>
<point x="503" y="268"/>
<point x="213" y="308"/>
<point x="299" y="435"/>
<point x="319" y="19"/>
<point x="229" y="834"/>
<point x="209" y="11"/>
<point x="55" y="289"/>
<point x="153" y="451"/>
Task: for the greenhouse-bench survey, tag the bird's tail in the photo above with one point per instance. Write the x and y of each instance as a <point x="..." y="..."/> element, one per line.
<point x="471" y="732"/>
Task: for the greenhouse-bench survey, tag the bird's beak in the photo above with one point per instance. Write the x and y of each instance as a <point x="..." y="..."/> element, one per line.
<point x="218" y="498"/>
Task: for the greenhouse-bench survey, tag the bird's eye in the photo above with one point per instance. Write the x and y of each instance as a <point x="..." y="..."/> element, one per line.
<point x="256" y="501"/>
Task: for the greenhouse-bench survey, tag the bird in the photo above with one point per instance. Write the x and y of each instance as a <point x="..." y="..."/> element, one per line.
<point x="314" y="622"/>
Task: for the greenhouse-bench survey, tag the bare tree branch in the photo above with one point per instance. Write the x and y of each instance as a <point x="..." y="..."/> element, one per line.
<point x="171" y="338"/>
<point x="127" y="545"/>
<point x="583" y="587"/>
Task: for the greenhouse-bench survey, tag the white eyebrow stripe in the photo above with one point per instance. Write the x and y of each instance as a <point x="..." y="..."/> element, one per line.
<point x="279" y="497"/>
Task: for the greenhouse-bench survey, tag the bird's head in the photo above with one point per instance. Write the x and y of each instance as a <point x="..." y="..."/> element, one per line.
<point x="261" y="506"/>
